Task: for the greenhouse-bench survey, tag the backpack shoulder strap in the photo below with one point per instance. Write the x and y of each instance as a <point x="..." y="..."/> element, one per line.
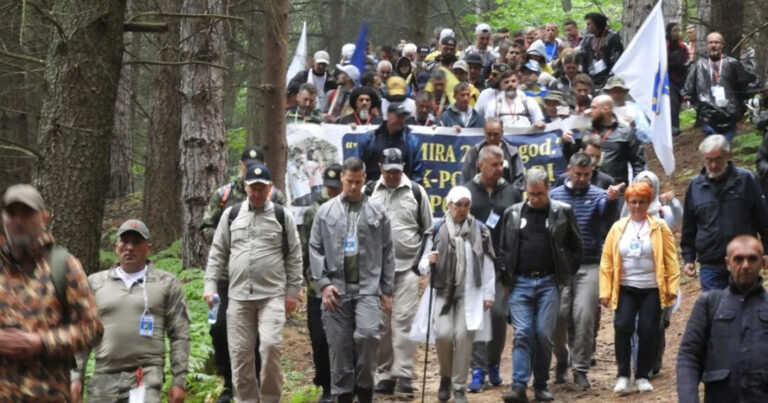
<point x="369" y="188"/>
<point x="224" y="193"/>
<point x="280" y="215"/>
<point x="417" y="195"/>
<point x="58" y="257"/>
<point x="713" y="302"/>
<point x="233" y="212"/>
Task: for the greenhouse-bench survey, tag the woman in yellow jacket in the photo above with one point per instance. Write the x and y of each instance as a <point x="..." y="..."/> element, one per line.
<point x="639" y="273"/>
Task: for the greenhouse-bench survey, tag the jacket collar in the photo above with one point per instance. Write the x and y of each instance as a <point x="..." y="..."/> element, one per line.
<point x="404" y="182"/>
<point x="756" y="288"/>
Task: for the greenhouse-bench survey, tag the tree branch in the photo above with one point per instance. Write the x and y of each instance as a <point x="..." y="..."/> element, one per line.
<point x="145" y="26"/>
<point x="162" y="63"/>
<point x="184" y="15"/>
<point x="745" y="37"/>
<point x="10" y="145"/>
<point x="22" y="57"/>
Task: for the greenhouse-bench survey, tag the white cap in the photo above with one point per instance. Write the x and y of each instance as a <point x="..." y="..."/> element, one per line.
<point x="347" y="50"/>
<point x="461" y="65"/>
<point x="410" y="48"/>
<point x="482" y="29"/>
<point x="458" y="193"/>
<point x="349" y="70"/>
<point x="321" y="56"/>
<point x="446" y="32"/>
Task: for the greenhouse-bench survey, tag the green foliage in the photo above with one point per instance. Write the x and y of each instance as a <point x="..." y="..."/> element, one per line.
<point x="107" y="258"/>
<point x="687" y="119"/>
<point x="236" y="138"/>
<point x="745" y="145"/>
<point x="519" y="14"/>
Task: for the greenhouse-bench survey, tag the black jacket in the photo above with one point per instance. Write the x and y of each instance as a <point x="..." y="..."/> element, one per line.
<point x="761" y="159"/>
<point x="619" y="147"/>
<point x="711" y="220"/>
<point x="566" y="242"/>
<point x="737" y="83"/>
<point x="513" y="164"/>
<point x="503" y="196"/>
<point x="726" y="349"/>
<point x="609" y="49"/>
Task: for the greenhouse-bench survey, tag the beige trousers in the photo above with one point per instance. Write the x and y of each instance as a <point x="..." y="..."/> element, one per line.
<point x="247" y="321"/>
<point x="454" y="342"/>
<point x="396" y="350"/>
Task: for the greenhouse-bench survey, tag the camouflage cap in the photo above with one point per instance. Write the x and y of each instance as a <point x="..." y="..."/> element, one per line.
<point x="135" y="226"/>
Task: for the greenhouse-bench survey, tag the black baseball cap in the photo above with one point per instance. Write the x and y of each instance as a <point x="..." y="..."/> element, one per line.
<point x="391" y="159"/>
<point x="474" y="58"/>
<point x="448" y="40"/>
<point x="397" y="108"/>
<point x="257" y="173"/>
<point x="252" y="155"/>
<point x="332" y="176"/>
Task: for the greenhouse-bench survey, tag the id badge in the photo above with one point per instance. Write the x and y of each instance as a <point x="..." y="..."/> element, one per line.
<point x="598" y="66"/>
<point x="137" y="395"/>
<point x="146" y="325"/>
<point x="492" y="220"/>
<point x="718" y="92"/>
<point x="634" y="248"/>
<point x="350" y="244"/>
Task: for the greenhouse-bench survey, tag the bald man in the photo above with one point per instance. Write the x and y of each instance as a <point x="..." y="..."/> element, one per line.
<point x="620" y="144"/>
<point x="724" y="342"/>
<point x="717" y="86"/>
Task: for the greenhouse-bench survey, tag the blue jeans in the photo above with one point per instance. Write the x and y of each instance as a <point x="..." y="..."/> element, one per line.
<point x="728" y="134"/>
<point x="712" y="278"/>
<point x="533" y="306"/>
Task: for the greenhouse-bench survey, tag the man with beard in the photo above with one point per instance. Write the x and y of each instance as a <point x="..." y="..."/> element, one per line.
<point x="447" y="53"/>
<point x="717" y="86"/>
<point x="366" y="102"/>
<point x="514" y="107"/>
<point x="600" y="49"/>
<point x="305" y="110"/>
<point x="491" y="86"/>
<point x="423" y="115"/>
<point x="48" y="310"/>
<point x="319" y="77"/>
<point x="722" y="202"/>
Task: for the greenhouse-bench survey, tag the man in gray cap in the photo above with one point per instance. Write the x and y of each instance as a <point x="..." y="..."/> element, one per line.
<point x="408" y="207"/>
<point x="259" y="244"/>
<point x="139" y="305"/>
<point x="48" y="312"/>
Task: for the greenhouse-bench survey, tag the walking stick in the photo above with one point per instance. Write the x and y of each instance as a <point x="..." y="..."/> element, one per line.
<point x="429" y="324"/>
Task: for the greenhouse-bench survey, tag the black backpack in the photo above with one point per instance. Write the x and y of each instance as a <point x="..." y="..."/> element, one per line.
<point x="279" y="214"/>
<point x="416" y="195"/>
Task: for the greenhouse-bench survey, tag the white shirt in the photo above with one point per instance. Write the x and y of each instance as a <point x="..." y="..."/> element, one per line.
<point x="521" y="111"/>
<point x="130" y="278"/>
<point x="638" y="268"/>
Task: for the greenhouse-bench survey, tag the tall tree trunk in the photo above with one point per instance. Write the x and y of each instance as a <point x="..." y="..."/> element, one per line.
<point x="418" y="12"/>
<point x="254" y="103"/>
<point x="82" y="71"/>
<point x="275" y="40"/>
<point x="335" y="31"/>
<point x="724" y="16"/>
<point x="636" y="11"/>
<point x="120" y="177"/>
<point x="162" y="189"/>
<point x="203" y="135"/>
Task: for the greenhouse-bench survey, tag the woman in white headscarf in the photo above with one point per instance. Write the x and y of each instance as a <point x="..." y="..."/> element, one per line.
<point x="459" y="254"/>
<point x="670" y="210"/>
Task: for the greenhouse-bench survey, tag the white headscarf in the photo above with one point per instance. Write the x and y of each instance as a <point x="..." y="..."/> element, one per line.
<point x="458" y="193"/>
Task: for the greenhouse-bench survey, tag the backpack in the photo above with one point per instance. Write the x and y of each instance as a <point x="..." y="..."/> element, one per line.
<point x="57" y="260"/>
<point x="279" y="214"/>
<point x="415" y="190"/>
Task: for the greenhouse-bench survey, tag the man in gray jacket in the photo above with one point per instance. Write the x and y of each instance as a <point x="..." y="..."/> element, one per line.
<point x="411" y="216"/>
<point x="258" y="242"/>
<point x="352" y="262"/>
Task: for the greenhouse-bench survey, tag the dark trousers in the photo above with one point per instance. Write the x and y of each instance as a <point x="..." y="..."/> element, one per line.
<point x="674" y="106"/>
<point x="632" y="301"/>
<point x="319" y="343"/>
<point x="218" y="334"/>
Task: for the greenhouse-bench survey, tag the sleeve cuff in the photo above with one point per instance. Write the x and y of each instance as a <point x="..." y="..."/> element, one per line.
<point x="210" y="286"/>
<point x="322" y="283"/>
<point x="292" y="291"/>
<point x="180" y="380"/>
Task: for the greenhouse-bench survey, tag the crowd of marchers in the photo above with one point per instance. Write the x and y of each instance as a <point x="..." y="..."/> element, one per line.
<point x="512" y="248"/>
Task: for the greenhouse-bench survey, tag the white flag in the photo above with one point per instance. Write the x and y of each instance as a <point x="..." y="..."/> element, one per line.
<point x="299" y="56"/>
<point x="643" y="66"/>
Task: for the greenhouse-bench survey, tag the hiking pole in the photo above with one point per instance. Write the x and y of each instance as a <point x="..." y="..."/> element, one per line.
<point x="429" y="324"/>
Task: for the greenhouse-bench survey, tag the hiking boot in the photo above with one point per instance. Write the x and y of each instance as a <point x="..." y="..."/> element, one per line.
<point x="404" y="386"/>
<point x="225" y="396"/>
<point x="385" y="387"/>
<point x="346" y="398"/>
<point x="493" y="375"/>
<point x="561" y="370"/>
<point x="580" y="378"/>
<point x="516" y="395"/>
<point x="459" y="397"/>
<point x="444" y="393"/>
<point x="543" y="395"/>
<point x="364" y="395"/>
<point x="325" y="398"/>
<point x="478" y="379"/>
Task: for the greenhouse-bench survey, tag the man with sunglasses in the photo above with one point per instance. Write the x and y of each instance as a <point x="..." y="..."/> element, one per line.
<point x="724" y="342"/>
